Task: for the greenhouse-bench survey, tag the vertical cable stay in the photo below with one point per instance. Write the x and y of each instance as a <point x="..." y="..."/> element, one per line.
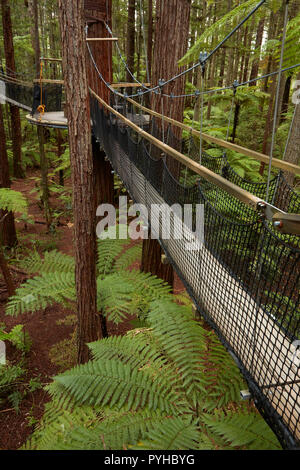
<point x="277" y="97"/>
<point x="202" y="60"/>
<point x="290" y="131"/>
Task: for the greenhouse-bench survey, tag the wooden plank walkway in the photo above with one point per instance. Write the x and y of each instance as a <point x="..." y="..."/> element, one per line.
<point x="51" y="119"/>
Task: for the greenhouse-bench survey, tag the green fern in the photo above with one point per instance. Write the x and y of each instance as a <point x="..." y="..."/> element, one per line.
<point x="144" y="390"/>
<point x="41" y="292"/>
<point x="243" y="430"/>
<point x="12" y="201"/>
<point x="53" y="261"/>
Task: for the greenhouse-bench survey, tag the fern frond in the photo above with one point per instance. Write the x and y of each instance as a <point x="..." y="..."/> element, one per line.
<point x="112" y="383"/>
<point x="243" y="430"/>
<point x="9" y="374"/>
<point x="126" y="259"/>
<point x="53" y="261"/>
<point x="114" y="298"/>
<point x="114" y="432"/>
<point x="133" y="350"/>
<point x="222" y="26"/>
<point x="183" y="342"/>
<point x="13" y="201"/>
<point x="41" y="292"/>
<point x="108" y="251"/>
<point x="175" y="433"/>
<point x="223" y="377"/>
<point x="57" y="424"/>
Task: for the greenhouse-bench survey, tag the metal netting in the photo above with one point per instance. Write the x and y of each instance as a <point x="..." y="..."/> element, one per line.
<point x="17" y="94"/>
<point x="244" y="278"/>
<point x="51" y="97"/>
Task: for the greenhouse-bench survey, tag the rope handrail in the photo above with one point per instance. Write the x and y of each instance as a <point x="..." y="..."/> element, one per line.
<point x="283" y="165"/>
<point x="268" y="210"/>
<point x="16" y="81"/>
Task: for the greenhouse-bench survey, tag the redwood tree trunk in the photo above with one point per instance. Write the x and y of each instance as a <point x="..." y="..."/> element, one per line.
<point x="258" y="43"/>
<point x="8" y="236"/>
<point x="171" y="39"/>
<point x="11" y="68"/>
<point x="292" y="152"/>
<point x="71" y="15"/>
<point x="130" y="38"/>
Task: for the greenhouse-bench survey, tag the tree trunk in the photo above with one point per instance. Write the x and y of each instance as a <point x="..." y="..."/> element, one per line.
<point x="11" y="69"/>
<point x="6" y="273"/>
<point x="258" y="43"/>
<point x="44" y="176"/>
<point x="130" y="39"/>
<point x="71" y="16"/>
<point x="171" y="40"/>
<point x="8" y="236"/>
<point x="34" y="31"/>
<point x="292" y="152"/>
<point x="285" y="99"/>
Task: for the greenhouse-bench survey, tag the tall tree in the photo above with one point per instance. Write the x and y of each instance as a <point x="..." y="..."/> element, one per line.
<point x="71" y="16"/>
<point x="130" y="38"/>
<point x="150" y="36"/>
<point x="102" y="54"/>
<point x="11" y="69"/>
<point x="8" y="236"/>
<point x="292" y="152"/>
<point x="171" y="39"/>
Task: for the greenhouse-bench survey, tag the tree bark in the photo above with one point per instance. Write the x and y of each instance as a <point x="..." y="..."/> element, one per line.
<point x="8" y="235"/>
<point x="71" y="16"/>
<point x="11" y="69"/>
<point x="171" y="40"/>
<point x="150" y="36"/>
<point x="44" y="175"/>
<point x="258" y="43"/>
<point x="130" y="39"/>
<point x="292" y="152"/>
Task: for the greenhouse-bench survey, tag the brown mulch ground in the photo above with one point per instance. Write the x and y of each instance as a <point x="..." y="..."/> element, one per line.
<point x="42" y="326"/>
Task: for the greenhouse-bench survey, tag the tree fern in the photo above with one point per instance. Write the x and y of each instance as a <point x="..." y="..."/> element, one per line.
<point x="110" y="382"/>
<point x="12" y="201"/>
<point x="136" y="350"/>
<point x="173" y="433"/>
<point x="53" y="261"/>
<point x="108" y="251"/>
<point x="41" y="292"/>
<point x="183" y="342"/>
<point x="127" y="258"/>
<point x="243" y="430"/>
<point x="223" y="26"/>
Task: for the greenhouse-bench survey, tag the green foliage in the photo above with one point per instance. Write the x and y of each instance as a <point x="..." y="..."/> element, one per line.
<point x="12" y="378"/>
<point x="13" y="201"/>
<point x="147" y="390"/>
<point x="242" y="430"/>
<point x="18" y="337"/>
<point x="223" y="26"/>
<point x="120" y="292"/>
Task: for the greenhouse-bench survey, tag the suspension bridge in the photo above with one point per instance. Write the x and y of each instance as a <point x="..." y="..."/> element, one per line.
<point x="244" y="279"/>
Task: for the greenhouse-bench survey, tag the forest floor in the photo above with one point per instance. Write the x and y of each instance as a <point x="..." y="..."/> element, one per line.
<point x="46" y="328"/>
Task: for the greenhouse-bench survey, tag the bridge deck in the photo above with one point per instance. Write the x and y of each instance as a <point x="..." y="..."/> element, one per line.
<point x="52" y="119"/>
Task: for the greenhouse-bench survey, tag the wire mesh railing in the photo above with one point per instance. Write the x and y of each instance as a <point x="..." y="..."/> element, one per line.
<point x="244" y="279"/>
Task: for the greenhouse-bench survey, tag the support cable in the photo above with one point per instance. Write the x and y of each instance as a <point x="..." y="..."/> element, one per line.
<point x="203" y="59"/>
<point x="193" y="67"/>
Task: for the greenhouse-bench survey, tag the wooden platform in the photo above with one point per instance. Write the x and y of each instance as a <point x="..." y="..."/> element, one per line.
<point x="54" y="119"/>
